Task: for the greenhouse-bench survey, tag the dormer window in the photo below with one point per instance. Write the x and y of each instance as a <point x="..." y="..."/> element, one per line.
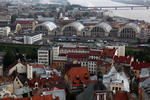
<point x="86" y="76"/>
<point x="74" y="82"/>
<point x="77" y="77"/>
<point x="36" y="85"/>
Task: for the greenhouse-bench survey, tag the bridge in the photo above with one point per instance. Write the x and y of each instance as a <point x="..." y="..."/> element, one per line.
<point x="117" y="7"/>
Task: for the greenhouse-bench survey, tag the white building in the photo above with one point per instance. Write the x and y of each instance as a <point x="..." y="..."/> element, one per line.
<point x="5" y="31"/>
<point x="32" y="38"/>
<point x="116" y="81"/>
<point x="44" y="55"/>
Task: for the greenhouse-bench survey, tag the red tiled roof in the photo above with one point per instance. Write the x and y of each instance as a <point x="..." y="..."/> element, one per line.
<point x="7" y="99"/>
<point x="37" y="65"/>
<point x="123" y="59"/>
<point x="45" y="97"/>
<point x="108" y="52"/>
<point x="23" y="22"/>
<point x="79" y="76"/>
<point x="5" y="79"/>
<point x="121" y="96"/>
<point x="140" y="65"/>
<point x="77" y="56"/>
<point x="55" y="81"/>
<point x="23" y="98"/>
<point x="75" y="48"/>
<point x="95" y="53"/>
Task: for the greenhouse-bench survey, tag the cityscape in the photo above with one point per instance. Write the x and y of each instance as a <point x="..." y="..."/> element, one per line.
<point x="74" y="49"/>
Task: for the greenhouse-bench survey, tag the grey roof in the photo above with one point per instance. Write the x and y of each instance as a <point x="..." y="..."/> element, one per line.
<point x="116" y="77"/>
<point x="50" y="25"/>
<point x="43" y="19"/>
<point x="133" y="26"/>
<point x="24" y="19"/>
<point x="60" y="93"/>
<point x="21" y="91"/>
<point x="145" y="72"/>
<point x="32" y="34"/>
<point x="105" y="26"/>
<point x="45" y="48"/>
<point x="77" y="25"/>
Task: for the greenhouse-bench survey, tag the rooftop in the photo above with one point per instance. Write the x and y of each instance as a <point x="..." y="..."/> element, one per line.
<point x="140" y="65"/>
<point x="79" y="76"/>
<point x="123" y="59"/>
<point x="45" y="48"/>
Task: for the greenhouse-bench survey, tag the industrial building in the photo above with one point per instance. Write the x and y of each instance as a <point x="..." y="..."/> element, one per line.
<point x="101" y="30"/>
<point x="46" y="28"/>
<point x="130" y="30"/>
<point x="72" y="29"/>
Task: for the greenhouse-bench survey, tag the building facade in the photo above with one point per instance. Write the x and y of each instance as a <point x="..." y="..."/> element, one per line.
<point x="32" y="38"/>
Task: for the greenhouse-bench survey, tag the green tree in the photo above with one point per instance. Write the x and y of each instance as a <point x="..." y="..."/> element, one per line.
<point x="13" y="18"/>
<point x="9" y="58"/>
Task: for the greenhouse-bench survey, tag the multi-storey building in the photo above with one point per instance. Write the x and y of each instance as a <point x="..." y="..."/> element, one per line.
<point x="25" y="23"/>
<point x="44" y="55"/>
<point x="82" y="55"/>
<point x="32" y="38"/>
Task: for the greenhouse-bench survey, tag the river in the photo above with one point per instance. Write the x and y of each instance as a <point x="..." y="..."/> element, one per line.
<point x="140" y="14"/>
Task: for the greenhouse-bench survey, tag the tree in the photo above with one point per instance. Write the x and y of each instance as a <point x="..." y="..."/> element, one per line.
<point x="9" y="58"/>
<point x="13" y="18"/>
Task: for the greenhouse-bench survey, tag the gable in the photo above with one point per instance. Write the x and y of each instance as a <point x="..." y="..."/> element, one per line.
<point x="19" y="67"/>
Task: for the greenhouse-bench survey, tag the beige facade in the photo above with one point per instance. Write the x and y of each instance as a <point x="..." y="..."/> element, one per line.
<point x="17" y="83"/>
<point x="29" y="72"/>
<point x="19" y="67"/>
<point x="116" y="87"/>
<point x="1" y="70"/>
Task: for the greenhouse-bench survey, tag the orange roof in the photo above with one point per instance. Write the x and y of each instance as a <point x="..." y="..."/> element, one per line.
<point x="121" y="96"/>
<point x="79" y="76"/>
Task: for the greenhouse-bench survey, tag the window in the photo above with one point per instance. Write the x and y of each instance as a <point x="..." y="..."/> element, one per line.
<point x="119" y="88"/>
<point x="101" y="96"/>
<point x="116" y="88"/>
<point x="113" y="88"/>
